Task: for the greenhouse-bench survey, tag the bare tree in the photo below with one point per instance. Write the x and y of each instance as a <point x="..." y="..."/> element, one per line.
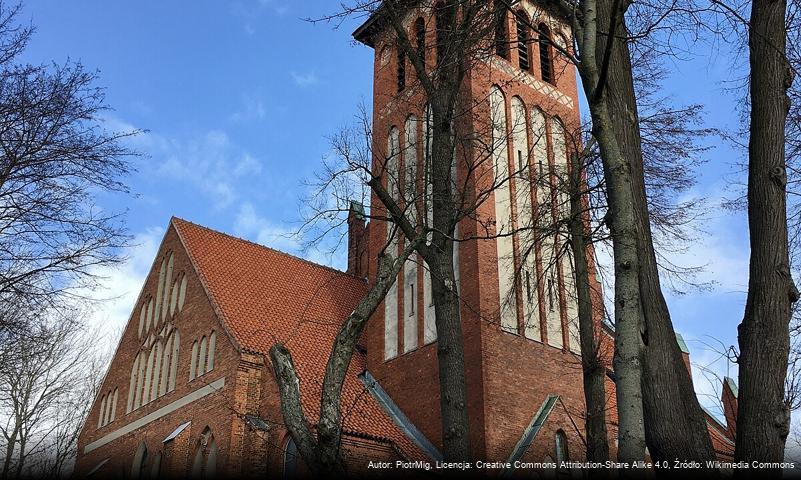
<point x="44" y="379"/>
<point x="54" y="156"/>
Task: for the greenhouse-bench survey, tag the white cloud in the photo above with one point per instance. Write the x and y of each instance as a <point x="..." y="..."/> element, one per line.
<point x="252" y="226"/>
<point x="120" y="286"/>
<point x="252" y="110"/>
<point x="249" y="224"/>
<point x="304" y="79"/>
<point x="208" y="162"/>
<point x="252" y="11"/>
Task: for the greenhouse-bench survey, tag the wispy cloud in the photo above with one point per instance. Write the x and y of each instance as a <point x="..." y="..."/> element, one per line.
<point x="207" y="161"/>
<point x="252" y="110"/>
<point x="252" y="11"/>
<point x="304" y="79"/>
<point x="120" y="285"/>
<point x="249" y="224"/>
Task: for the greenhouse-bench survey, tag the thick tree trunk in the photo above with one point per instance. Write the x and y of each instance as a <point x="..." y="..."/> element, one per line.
<point x="763" y="416"/>
<point x="450" y="341"/>
<point x="674" y="422"/>
<point x="593" y="369"/>
<point x="322" y="452"/>
<point x="10" y="446"/>
<point x="628" y="329"/>
<point x="622" y="223"/>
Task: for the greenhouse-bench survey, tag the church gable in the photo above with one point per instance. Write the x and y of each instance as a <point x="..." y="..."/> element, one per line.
<point x="170" y="346"/>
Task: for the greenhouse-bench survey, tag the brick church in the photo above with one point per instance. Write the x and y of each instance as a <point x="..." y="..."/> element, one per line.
<point x="191" y="391"/>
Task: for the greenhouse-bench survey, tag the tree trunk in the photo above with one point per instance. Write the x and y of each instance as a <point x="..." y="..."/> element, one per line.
<point x="10" y="446"/>
<point x="322" y="453"/>
<point x="763" y="416"/>
<point x="450" y="341"/>
<point x="622" y="223"/>
<point x="674" y="422"/>
<point x="593" y="369"/>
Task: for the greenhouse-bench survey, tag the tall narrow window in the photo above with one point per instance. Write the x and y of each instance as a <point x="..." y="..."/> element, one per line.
<point x="176" y="346"/>
<point x="550" y="293"/>
<point x="101" y="420"/>
<point x="201" y="357"/>
<point x="401" y="70"/>
<point x="212" y="348"/>
<point x="155" y="470"/>
<point x="522" y="40"/>
<point x="561" y="447"/>
<point x="420" y="37"/>
<point x="439" y="22"/>
<point x="139" y="462"/>
<point x="501" y="31"/>
<point x="193" y="362"/>
<point x="546" y="57"/>
<point x="113" y="413"/>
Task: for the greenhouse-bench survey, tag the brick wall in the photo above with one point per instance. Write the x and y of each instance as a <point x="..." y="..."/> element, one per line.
<point x="196" y="319"/>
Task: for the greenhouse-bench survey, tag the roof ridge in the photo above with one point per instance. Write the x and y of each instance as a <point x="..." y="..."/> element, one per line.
<point x="255" y="244"/>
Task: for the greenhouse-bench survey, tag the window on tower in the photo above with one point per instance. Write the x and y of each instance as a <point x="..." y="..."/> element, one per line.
<point x="501" y="31"/>
<point x="439" y="22"/>
<point x="546" y="56"/>
<point x="420" y="37"/>
<point x="401" y="70"/>
<point x="522" y="40"/>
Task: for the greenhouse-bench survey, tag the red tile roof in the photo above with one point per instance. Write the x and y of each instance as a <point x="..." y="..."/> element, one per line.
<point x="264" y="296"/>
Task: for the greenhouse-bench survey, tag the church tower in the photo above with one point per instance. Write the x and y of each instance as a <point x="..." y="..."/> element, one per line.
<point x="518" y="303"/>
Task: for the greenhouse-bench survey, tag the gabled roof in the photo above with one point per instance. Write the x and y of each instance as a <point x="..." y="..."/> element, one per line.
<point x="263" y="296"/>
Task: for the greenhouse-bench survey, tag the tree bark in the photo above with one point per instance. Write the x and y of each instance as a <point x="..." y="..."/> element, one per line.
<point x="450" y="341"/>
<point x="674" y="422"/>
<point x="622" y="223"/>
<point x="322" y="452"/>
<point x="763" y="415"/>
<point x="593" y="369"/>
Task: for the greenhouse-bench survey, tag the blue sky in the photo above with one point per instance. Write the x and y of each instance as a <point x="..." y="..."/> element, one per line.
<point x="238" y="98"/>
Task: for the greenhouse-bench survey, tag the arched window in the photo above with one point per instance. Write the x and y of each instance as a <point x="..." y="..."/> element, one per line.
<point x="101" y="419"/>
<point x="201" y="356"/>
<point x="420" y="38"/>
<point x="391" y="299"/>
<point x="546" y="56"/>
<point x="193" y="363"/>
<point x="211" y="460"/>
<point x="140" y="379"/>
<point x="166" y="360"/>
<point x="212" y="348"/>
<point x="157" y="354"/>
<point x="401" y="59"/>
<point x="561" y="447"/>
<point x="439" y="24"/>
<point x="501" y="30"/>
<point x="197" y="463"/>
<point x="182" y="294"/>
<point x="429" y="324"/>
<point x="290" y="459"/>
<point x="139" y="462"/>
<point x="503" y="212"/>
<point x="176" y="345"/>
<point x="155" y="469"/>
<point x="521" y="20"/>
<point x="142" y="314"/>
<point x="132" y="385"/>
<point x="151" y="358"/>
<point x="111" y="408"/>
<point x="204" y="461"/>
<point x="159" y="294"/>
